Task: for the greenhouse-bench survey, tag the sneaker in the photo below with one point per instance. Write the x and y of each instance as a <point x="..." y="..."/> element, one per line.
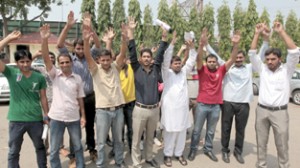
<point x="141" y="145"/>
<point x="72" y="163"/>
<point x="157" y="142"/>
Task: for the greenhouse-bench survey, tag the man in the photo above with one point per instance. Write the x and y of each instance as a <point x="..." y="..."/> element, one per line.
<point x="80" y="67"/>
<point x="67" y="109"/>
<point x="146" y="110"/>
<point x="210" y="96"/>
<point x="175" y="102"/>
<point x="274" y="93"/>
<point x="27" y="95"/>
<point x="109" y="96"/>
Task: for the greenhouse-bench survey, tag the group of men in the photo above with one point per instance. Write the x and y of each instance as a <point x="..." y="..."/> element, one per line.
<point x="89" y="87"/>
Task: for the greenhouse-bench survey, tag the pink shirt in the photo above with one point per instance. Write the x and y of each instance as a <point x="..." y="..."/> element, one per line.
<point x="66" y="91"/>
<point x="210" y="85"/>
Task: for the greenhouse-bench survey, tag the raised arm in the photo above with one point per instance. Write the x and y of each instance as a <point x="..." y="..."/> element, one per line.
<point x="108" y="38"/>
<point x="168" y="54"/>
<point x="12" y="36"/>
<point x="202" y="42"/>
<point x="121" y="58"/>
<point x="235" y="42"/>
<point x="86" y="34"/>
<point x="192" y="57"/>
<point x="45" y="34"/>
<point x="255" y="59"/>
<point x="63" y="35"/>
<point x="132" y="46"/>
<point x="185" y="55"/>
<point x="162" y="48"/>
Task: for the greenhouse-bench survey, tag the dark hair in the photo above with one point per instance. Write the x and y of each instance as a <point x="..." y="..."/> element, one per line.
<point x="77" y="41"/>
<point x="274" y="51"/>
<point x="148" y="50"/>
<point x="104" y="52"/>
<point x="51" y="53"/>
<point x="242" y="52"/>
<point x="21" y="54"/>
<point x="211" y="56"/>
<point x="64" y="55"/>
<point x="175" y="58"/>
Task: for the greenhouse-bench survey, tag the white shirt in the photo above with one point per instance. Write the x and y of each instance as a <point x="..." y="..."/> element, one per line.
<point x="66" y="91"/>
<point x="237" y="84"/>
<point x="274" y="89"/>
<point x="175" y="99"/>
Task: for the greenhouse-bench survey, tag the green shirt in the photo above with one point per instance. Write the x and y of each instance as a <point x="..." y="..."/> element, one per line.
<point x="24" y="102"/>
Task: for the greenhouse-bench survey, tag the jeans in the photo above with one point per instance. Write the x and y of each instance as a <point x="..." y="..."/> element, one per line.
<point x="241" y="113"/>
<point x="90" y="111"/>
<point x="57" y="129"/>
<point x="128" y="109"/>
<point x="104" y="119"/>
<point x="211" y="113"/>
<point x="16" y="133"/>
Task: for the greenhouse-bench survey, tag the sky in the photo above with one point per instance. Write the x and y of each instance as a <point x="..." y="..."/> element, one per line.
<point x="59" y="13"/>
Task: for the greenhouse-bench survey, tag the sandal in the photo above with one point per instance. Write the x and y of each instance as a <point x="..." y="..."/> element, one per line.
<point x="181" y="160"/>
<point x="168" y="161"/>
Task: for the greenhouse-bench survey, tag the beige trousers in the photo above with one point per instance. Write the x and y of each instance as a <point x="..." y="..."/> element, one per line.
<point x="143" y="119"/>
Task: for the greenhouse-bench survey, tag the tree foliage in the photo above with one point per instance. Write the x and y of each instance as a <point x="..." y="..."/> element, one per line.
<point x="265" y="17"/>
<point x="208" y="21"/>
<point x="89" y="6"/>
<point x="134" y="10"/>
<point x="250" y="21"/>
<point x="224" y="26"/>
<point x="164" y="15"/>
<point x="118" y="16"/>
<point x="276" y="41"/>
<point x="291" y="25"/>
<point x="195" y="22"/>
<point x="104" y="16"/>
<point x="148" y="28"/>
<point x="238" y="16"/>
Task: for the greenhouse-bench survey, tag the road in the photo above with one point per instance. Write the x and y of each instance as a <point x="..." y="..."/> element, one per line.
<point x="27" y="159"/>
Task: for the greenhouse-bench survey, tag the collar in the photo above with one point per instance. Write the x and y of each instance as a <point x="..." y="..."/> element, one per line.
<point x="242" y="66"/>
<point x="61" y="74"/>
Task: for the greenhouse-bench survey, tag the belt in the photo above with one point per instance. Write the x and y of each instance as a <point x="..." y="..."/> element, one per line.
<point x="284" y="107"/>
<point x="146" y="106"/>
<point x="112" y="108"/>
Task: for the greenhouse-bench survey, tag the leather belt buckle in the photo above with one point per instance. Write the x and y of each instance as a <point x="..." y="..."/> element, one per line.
<point x="112" y="108"/>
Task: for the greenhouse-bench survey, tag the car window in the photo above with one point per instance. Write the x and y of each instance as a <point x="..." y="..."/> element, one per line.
<point x="296" y="75"/>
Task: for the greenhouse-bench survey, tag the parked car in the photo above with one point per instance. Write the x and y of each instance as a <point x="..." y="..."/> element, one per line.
<point x="294" y="87"/>
<point x="4" y="86"/>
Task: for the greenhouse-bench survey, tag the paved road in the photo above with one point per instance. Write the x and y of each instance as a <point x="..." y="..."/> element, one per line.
<point x="27" y="159"/>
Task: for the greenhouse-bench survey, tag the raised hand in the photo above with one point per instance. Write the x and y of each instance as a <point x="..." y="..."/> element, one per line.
<point x="109" y="35"/>
<point x="45" y="31"/>
<point x="259" y="28"/>
<point x="266" y="32"/>
<point x="154" y="49"/>
<point x="131" y="23"/>
<point x="14" y="35"/>
<point x="236" y="38"/>
<point x="86" y="32"/>
<point x="71" y="21"/>
<point x="174" y="38"/>
<point x="189" y="44"/>
<point x="87" y="19"/>
<point x="204" y="37"/>
<point x="277" y="26"/>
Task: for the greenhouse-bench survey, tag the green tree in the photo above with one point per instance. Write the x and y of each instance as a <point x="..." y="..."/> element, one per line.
<point x="118" y="16"/>
<point x="104" y="16"/>
<point x="134" y="10"/>
<point x="164" y="15"/>
<point x="208" y="21"/>
<point x="238" y="16"/>
<point x="297" y="40"/>
<point x="89" y="6"/>
<point x="291" y="25"/>
<point x="9" y="9"/>
<point x="265" y="17"/>
<point x="195" y="22"/>
<point x="250" y="21"/>
<point x="148" y="28"/>
<point x="276" y="41"/>
<point x="224" y="26"/>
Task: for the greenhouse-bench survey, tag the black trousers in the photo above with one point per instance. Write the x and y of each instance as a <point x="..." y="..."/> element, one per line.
<point x="241" y="113"/>
<point x="90" y="111"/>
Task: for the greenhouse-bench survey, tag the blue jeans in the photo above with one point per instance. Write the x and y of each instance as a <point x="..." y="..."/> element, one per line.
<point x="211" y="113"/>
<point x="104" y="119"/>
<point x="16" y="133"/>
<point x="57" y="129"/>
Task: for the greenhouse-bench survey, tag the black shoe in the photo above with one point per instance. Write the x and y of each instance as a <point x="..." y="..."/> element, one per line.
<point x="192" y="155"/>
<point x="211" y="155"/>
<point x="225" y="157"/>
<point x="111" y="154"/>
<point x="122" y="165"/>
<point x="153" y="163"/>
<point x="239" y="157"/>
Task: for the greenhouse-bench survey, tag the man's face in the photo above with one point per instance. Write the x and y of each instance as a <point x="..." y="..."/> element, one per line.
<point x="176" y="66"/>
<point x="24" y="64"/>
<point x="79" y="50"/>
<point x="105" y="61"/>
<point x="52" y="58"/>
<point x="240" y="58"/>
<point x="273" y="61"/>
<point x="65" y="64"/>
<point x="211" y="63"/>
<point x="146" y="59"/>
